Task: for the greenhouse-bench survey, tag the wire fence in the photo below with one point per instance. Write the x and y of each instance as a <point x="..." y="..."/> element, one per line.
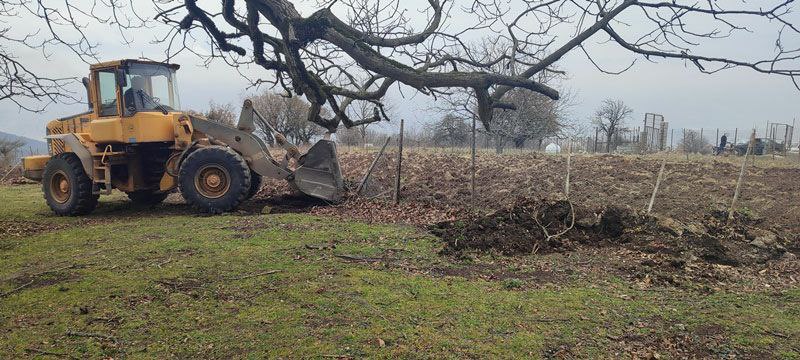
<point x="771" y="139"/>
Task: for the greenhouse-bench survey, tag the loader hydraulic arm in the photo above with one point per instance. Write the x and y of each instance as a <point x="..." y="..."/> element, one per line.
<point x="317" y="172"/>
<point x="250" y="118"/>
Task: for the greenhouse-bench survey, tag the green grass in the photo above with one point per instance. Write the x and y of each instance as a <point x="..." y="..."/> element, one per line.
<point x="164" y="282"/>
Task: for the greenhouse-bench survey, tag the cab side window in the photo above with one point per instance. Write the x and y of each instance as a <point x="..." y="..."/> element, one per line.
<point x="107" y="84"/>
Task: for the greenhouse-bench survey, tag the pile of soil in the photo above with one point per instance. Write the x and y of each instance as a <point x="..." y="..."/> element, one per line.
<point x="527" y="227"/>
<point x="546" y="226"/>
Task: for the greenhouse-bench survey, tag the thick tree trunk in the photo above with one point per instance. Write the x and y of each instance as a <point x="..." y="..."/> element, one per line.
<point x="499" y="143"/>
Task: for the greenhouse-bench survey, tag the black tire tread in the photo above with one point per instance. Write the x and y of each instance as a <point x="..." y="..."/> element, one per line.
<point x="231" y="157"/>
<point x="255" y="184"/>
<point x="86" y="201"/>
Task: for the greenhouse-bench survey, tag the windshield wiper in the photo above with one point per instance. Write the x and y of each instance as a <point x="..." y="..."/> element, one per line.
<point x="153" y="100"/>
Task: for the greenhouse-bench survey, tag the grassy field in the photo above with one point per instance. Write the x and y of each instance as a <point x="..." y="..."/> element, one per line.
<point x="163" y="282"/>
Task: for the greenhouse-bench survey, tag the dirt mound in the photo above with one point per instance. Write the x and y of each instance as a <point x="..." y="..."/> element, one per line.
<point x="527" y="227"/>
<point x="544" y="226"/>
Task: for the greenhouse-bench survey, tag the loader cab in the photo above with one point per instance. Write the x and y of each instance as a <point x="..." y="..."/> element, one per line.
<point x="127" y="87"/>
<point x="134" y="101"/>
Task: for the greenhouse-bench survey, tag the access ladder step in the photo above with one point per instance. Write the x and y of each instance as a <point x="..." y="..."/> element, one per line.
<point x="102" y="175"/>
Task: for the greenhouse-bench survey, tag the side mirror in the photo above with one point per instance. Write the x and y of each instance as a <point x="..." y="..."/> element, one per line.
<point x="122" y="80"/>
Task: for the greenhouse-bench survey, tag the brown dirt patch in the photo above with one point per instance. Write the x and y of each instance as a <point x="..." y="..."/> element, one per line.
<point x="46" y="278"/>
<point x="22" y="228"/>
<point x="653" y="248"/>
<point x="686" y="240"/>
<point x="438" y="183"/>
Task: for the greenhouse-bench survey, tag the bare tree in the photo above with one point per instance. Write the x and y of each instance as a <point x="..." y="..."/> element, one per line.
<point x="287" y="115"/>
<point x="349" y="137"/>
<point x="450" y="130"/>
<point x="9" y="151"/>
<point x="537" y="117"/>
<point x="222" y="113"/>
<point x="692" y="142"/>
<point x="332" y="56"/>
<point x="59" y="27"/>
<point x="610" y="119"/>
<point x="365" y="109"/>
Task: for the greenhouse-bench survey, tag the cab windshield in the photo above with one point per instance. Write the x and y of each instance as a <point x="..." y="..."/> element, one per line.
<point x="150" y="88"/>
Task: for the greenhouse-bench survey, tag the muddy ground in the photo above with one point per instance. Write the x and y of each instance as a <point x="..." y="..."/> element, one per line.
<point x="686" y="241"/>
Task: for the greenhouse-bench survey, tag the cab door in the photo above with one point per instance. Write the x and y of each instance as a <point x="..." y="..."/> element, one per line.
<point x="107" y="128"/>
<point x="108" y="94"/>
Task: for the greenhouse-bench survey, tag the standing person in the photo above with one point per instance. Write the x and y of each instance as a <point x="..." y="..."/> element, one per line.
<point x="723" y="140"/>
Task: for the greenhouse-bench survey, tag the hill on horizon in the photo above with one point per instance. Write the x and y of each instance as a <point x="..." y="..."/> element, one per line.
<point x="31" y="147"/>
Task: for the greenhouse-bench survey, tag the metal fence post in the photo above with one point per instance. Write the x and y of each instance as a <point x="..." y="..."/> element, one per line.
<point x="472" y="167"/>
<point x="399" y="165"/>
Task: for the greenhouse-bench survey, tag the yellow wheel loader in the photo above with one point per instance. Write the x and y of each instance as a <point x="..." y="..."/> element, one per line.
<point x="135" y="139"/>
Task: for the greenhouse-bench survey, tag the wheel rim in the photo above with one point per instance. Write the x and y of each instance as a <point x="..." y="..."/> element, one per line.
<point x="212" y="181"/>
<point x="60" y="188"/>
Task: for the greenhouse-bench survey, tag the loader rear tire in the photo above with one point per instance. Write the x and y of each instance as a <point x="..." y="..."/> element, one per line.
<point x="255" y="184"/>
<point x="66" y="187"/>
<point x="214" y="179"/>
<point x="146" y="197"/>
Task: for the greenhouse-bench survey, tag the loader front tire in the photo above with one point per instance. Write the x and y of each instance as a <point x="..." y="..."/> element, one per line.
<point x="146" y="197"/>
<point x="214" y="179"/>
<point x="66" y="187"/>
<point x="255" y="184"/>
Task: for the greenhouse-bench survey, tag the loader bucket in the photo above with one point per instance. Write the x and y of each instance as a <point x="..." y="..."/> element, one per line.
<point x="318" y="173"/>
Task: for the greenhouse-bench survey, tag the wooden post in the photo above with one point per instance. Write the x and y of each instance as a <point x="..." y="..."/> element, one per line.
<point x="752" y="140"/>
<point x="685" y="150"/>
<point x="372" y="167"/>
<point x="787" y="140"/>
<point x="792" y="137"/>
<point x="701" y="140"/>
<point x="716" y="140"/>
<point x="399" y="165"/>
<point x="472" y="165"/>
<point x="772" y="143"/>
<point x="671" y="137"/>
<point x="569" y="158"/>
<point x="741" y="176"/>
<point x="735" y="135"/>
<point x="658" y="183"/>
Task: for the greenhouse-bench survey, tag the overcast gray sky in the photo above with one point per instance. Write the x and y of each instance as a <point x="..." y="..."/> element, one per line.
<point x="686" y="97"/>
